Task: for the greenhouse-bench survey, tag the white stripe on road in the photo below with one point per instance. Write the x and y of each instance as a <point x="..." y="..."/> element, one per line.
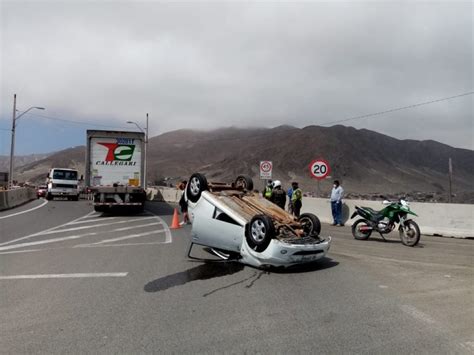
<point x="47" y="230"/>
<point x="95" y="219"/>
<point x="128" y="237"/>
<point x="47" y="241"/>
<point x="168" y="238"/>
<point x="114" y="245"/>
<point x="139" y="226"/>
<point x="20" y="251"/>
<point x="64" y="276"/>
<point x="88" y="227"/>
<point x="31" y="209"/>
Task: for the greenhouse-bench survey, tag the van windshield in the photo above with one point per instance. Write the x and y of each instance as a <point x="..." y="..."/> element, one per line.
<point x="65" y="175"/>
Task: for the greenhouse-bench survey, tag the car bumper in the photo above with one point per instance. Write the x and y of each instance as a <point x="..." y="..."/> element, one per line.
<point x="59" y="192"/>
<point x="283" y="254"/>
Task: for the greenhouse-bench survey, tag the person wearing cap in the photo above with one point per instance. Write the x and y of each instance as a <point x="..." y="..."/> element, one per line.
<point x="267" y="192"/>
<point x="336" y="203"/>
<point x="278" y="196"/>
<point x="296" y="199"/>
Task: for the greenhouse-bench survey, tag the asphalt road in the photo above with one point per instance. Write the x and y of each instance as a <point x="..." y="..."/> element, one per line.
<point x="73" y="281"/>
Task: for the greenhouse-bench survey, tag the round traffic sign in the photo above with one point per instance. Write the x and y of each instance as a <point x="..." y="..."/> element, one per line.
<point x="319" y="169"/>
<point x="265" y="166"/>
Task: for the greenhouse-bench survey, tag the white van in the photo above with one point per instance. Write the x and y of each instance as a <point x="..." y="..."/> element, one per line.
<point x="63" y="183"/>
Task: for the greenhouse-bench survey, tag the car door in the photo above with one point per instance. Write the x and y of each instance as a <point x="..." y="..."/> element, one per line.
<point x="213" y="228"/>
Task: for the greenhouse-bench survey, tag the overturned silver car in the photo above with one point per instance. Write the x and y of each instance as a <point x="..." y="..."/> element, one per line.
<point x="238" y="224"/>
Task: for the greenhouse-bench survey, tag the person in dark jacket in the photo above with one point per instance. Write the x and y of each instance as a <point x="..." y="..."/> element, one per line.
<point x="278" y="196"/>
<point x="183" y="204"/>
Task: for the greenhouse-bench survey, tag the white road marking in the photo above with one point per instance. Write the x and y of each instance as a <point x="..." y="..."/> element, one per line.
<point x="31" y="209"/>
<point x="114" y="245"/>
<point x="89" y="220"/>
<point x="417" y="314"/>
<point x="383" y="286"/>
<point x="64" y="276"/>
<point x="88" y="227"/>
<point x="47" y="230"/>
<point x="128" y="237"/>
<point x="20" y="251"/>
<point x="139" y="226"/>
<point x="47" y="241"/>
<point x="168" y="238"/>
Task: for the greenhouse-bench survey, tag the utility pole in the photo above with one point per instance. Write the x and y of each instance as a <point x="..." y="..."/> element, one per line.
<point x="12" y="148"/>
<point x="146" y="152"/>
<point x="450" y="162"/>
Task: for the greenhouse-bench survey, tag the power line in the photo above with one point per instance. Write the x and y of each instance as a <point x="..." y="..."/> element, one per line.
<point x="75" y="122"/>
<point x="400" y="108"/>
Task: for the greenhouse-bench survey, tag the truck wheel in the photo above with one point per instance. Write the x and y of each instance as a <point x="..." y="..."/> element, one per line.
<point x="49" y="196"/>
<point x="260" y="232"/>
<point x="245" y="182"/>
<point x="196" y="185"/>
<point x="99" y="208"/>
<point x="311" y="224"/>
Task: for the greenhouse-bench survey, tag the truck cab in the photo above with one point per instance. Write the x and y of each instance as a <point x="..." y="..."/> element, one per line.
<point x="62" y="182"/>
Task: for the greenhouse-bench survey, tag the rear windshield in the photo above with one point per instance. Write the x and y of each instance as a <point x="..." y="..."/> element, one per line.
<point x="65" y="175"/>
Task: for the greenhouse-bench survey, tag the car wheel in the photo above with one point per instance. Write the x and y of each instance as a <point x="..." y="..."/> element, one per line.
<point x="49" y="196"/>
<point x="245" y="182"/>
<point x="311" y="224"/>
<point x="196" y="185"/>
<point x="260" y="232"/>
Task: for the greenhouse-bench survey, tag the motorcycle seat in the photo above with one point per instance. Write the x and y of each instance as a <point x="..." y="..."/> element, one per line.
<point x="376" y="215"/>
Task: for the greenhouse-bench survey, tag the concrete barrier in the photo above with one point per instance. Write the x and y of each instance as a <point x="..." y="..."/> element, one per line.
<point x="450" y="220"/>
<point x="13" y="198"/>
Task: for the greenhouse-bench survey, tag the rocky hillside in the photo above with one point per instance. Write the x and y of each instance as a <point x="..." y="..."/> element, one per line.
<point x="366" y="162"/>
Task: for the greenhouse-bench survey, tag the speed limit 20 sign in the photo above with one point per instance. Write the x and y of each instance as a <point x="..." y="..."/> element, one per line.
<point x="319" y="169"/>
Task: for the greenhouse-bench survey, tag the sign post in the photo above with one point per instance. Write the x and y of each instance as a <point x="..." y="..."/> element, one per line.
<point x="266" y="168"/>
<point x="319" y="170"/>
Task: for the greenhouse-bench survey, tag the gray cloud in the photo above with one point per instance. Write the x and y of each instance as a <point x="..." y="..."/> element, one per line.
<point x="209" y="64"/>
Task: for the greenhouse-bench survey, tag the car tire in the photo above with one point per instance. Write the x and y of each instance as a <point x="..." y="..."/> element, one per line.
<point x="245" y="182"/>
<point x="260" y="232"/>
<point x="196" y="185"/>
<point x="311" y="224"/>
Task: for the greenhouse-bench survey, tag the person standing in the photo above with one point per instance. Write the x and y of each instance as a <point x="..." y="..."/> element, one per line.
<point x="336" y="203"/>
<point x="267" y="192"/>
<point x="296" y="199"/>
<point x="290" y="203"/>
<point x="278" y="196"/>
<point x="183" y="204"/>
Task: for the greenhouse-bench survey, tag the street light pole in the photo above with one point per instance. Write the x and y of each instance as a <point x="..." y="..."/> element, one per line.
<point x="146" y="153"/>
<point x="12" y="148"/>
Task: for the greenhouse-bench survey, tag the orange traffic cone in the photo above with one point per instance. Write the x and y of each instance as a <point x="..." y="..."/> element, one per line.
<point x="175" y="222"/>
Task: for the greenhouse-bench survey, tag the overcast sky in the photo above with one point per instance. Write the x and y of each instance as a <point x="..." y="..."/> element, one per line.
<point x="208" y="64"/>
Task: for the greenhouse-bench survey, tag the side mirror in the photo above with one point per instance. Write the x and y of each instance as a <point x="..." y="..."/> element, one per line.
<point x="82" y="177"/>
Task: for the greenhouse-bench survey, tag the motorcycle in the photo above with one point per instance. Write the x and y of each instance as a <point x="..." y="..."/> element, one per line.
<point x="384" y="222"/>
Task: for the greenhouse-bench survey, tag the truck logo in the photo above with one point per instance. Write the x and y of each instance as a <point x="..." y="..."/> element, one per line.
<point x="120" y="152"/>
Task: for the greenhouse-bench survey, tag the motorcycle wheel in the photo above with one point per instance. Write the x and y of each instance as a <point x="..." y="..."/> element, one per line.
<point x="357" y="233"/>
<point x="409" y="233"/>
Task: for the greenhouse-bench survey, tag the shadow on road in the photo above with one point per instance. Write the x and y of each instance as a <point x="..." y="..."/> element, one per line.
<point x="325" y="263"/>
<point x="202" y="272"/>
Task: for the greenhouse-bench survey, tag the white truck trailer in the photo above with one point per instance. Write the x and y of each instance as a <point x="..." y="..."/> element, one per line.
<point x="115" y="170"/>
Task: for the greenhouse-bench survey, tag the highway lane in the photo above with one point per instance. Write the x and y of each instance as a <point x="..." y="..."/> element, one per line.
<point x="134" y="290"/>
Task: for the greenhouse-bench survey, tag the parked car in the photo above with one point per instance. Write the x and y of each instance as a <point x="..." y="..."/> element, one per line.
<point x="41" y="191"/>
<point x="238" y="224"/>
